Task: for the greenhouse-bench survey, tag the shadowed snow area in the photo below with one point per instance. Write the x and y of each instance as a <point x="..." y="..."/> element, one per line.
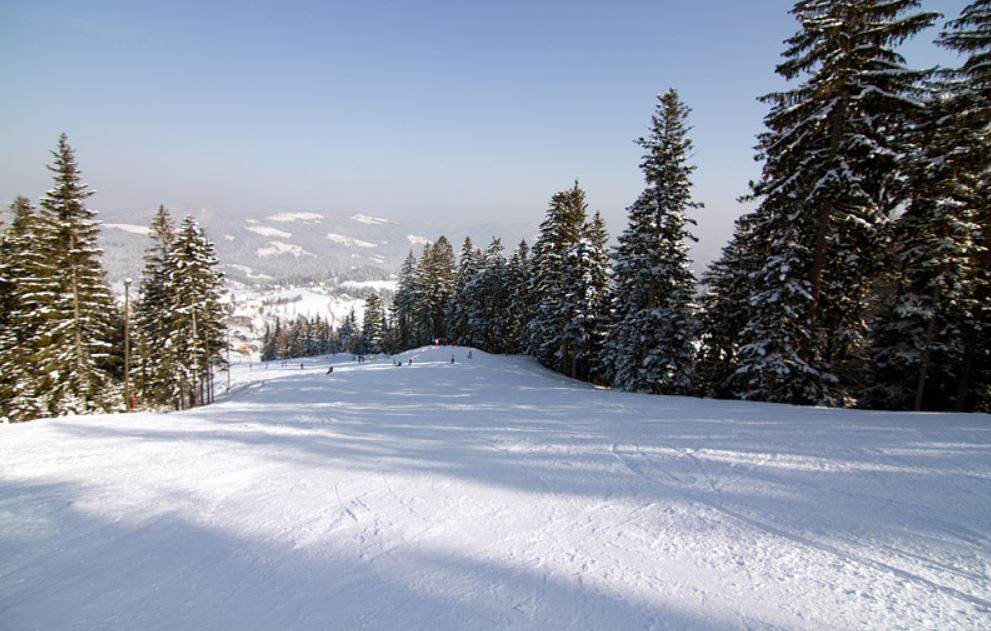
<point x="492" y="494"/>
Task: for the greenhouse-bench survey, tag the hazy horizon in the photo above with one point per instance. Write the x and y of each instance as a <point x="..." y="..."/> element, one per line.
<point x="421" y="114"/>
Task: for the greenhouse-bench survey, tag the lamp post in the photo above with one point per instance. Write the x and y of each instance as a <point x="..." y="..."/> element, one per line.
<point x="230" y="317"/>
<point x="127" y="347"/>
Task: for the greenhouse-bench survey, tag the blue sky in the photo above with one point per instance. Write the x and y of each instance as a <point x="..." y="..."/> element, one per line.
<point x="421" y="111"/>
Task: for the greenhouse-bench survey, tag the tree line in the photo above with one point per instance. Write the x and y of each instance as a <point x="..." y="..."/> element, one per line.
<point x="862" y="277"/>
<point x="62" y="332"/>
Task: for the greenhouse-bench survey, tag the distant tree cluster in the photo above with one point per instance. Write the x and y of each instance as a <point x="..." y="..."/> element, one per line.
<point x="309" y="337"/>
<point x="862" y="276"/>
<point x="61" y="331"/>
<point x="300" y="337"/>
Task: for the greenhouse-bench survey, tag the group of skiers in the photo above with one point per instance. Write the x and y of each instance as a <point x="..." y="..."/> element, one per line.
<point x="396" y="362"/>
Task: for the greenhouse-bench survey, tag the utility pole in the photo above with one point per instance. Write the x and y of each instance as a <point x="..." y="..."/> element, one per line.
<point x="230" y="317"/>
<point x="128" y="404"/>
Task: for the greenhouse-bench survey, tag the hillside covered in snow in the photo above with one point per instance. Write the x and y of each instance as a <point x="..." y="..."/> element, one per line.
<point x="492" y="494"/>
<point x="267" y="248"/>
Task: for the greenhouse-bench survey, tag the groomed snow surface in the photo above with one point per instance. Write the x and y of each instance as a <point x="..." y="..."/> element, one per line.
<point x="491" y="494"/>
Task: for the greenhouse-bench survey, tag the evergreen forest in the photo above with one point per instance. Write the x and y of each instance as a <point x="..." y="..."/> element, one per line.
<point x="860" y="276"/>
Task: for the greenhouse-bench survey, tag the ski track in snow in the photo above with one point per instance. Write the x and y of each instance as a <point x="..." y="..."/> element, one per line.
<point x="492" y="494"/>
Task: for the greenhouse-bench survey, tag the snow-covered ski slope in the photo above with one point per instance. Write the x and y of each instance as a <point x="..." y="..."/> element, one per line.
<point x="491" y="494"/>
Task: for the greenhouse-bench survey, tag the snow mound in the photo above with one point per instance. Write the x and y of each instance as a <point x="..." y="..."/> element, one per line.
<point x="488" y="493"/>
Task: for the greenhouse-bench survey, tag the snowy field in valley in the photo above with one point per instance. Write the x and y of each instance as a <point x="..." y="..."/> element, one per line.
<point x="491" y="494"/>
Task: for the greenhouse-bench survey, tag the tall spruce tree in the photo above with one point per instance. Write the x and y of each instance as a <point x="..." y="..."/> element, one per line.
<point x="567" y="292"/>
<point x="373" y="327"/>
<point x="434" y="288"/>
<point x="725" y="308"/>
<point x="551" y="280"/>
<point x="928" y="302"/>
<point x="20" y="262"/>
<point x="485" y="300"/>
<point x="196" y="329"/>
<point x="969" y="89"/>
<point x="654" y="328"/>
<point x="152" y="376"/>
<point x="348" y="333"/>
<point x="520" y="301"/>
<point x="832" y="177"/>
<point x="402" y="304"/>
<point x="587" y="263"/>
<point x="72" y="351"/>
<point x="457" y="312"/>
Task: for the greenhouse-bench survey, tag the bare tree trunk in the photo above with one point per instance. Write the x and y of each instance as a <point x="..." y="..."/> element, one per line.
<point x="824" y="215"/>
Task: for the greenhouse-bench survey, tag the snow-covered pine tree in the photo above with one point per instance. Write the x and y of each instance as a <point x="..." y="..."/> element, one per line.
<point x="196" y="332"/>
<point x="725" y="309"/>
<point x="70" y="294"/>
<point x="650" y="345"/>
<point x="457" y="312"/>
<point x="373" y="324"/>
<point x="587" y="263"/>
<point x="833" y="154"/>
<point x="559" y="295"/>
<point x="348" y="333"/>
<point x="20" y="261"/>
<point x="434" y="288"/>
<point x="970" y="104"/>
<point x="520" y="302"/>
<point x="268" y="342"/>
<point x="151" y="375"/>
<point x="929" y="302"/>
<point x="402" y="304"/>
<point x="326" y="339"/>
<point x="486" y="302"/>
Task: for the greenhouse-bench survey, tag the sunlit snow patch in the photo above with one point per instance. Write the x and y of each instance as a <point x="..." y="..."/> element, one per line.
<point x="379" y="285"/>
<point x="369" y="219"/>
<point x="278" y="248"/>
<point x="267" y="231"/>
<point x="343" y="240"/>
<point x="417" y="240"/>
<point x="127" y="227"/>
<point x="285" y="217"/>
<point x="248" y="272"/>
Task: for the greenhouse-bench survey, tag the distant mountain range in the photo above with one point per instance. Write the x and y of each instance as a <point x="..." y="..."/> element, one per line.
<point x="280" y="246"/>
